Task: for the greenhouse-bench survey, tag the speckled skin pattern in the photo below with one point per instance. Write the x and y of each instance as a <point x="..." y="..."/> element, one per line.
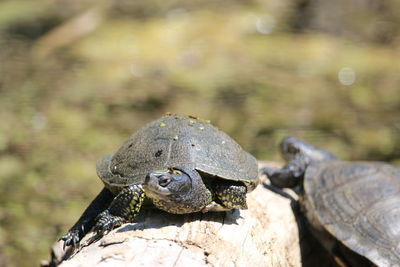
<point x="125" y="206"/>
<point x="87" y="219"/>
<point x="231" y="196"/>
<point x="111" y="208"/>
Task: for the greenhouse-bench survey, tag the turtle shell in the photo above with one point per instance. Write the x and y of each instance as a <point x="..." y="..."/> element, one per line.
<point x="359" y="204"/>
<point x="173" y="141"/>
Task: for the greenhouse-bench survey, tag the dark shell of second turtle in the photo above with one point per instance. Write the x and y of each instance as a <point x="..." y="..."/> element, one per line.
<point x="178" y="141"/>
<point x="359" y="204"/>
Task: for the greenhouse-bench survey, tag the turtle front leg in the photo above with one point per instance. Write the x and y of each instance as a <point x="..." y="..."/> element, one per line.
<point x="87" y="219"/>
<point x="125" y="206"/>
<point x="228" y="195"/>
<point x="289" y="176"/>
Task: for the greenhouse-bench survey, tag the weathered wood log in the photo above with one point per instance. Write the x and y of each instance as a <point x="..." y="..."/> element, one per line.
<point x="266" y="234"/>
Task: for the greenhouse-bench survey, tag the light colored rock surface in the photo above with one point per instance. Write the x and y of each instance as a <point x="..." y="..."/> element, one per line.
<point x="264" y="235"/>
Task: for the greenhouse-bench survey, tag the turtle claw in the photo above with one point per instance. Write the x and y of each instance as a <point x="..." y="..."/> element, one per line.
<point x="102" y="229"/>
<point x="105" y="222"/>
<point x="71" y="238"/>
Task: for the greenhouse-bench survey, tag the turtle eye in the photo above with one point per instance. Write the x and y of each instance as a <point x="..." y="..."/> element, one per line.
<point x="292" y="149"/>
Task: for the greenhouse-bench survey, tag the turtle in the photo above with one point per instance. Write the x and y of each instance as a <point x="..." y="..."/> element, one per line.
<point x="352" y="207"/>
<point x="181" y="164"/>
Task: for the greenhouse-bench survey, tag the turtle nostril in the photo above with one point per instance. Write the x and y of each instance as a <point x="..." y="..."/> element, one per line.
<point x="164" y="180"/>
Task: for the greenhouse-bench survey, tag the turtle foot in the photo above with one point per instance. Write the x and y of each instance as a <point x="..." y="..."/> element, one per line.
<point x="231" y="195"/>
<point x="71" y="238"/>
<point x="105" y="222"/>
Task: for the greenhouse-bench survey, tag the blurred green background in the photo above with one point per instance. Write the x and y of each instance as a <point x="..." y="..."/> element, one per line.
<point x="78" y="77"/>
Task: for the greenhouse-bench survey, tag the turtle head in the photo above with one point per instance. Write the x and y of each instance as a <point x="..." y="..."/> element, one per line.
<point x="177" y="190"/>
<point x="293" y="149"/>
<point x="298" y="155"/>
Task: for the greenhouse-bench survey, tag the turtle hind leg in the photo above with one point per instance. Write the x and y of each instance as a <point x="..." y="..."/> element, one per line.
<point x="125" y="206"/>
<point x="87" y="219"/>
<point x="230" y="195"/>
